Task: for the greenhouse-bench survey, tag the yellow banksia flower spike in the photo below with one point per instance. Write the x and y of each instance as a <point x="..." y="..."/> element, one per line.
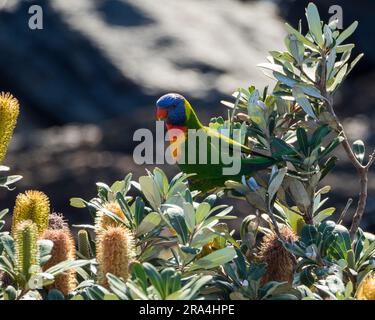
<point x="63" y="250"/>
<point x="103" y="221"/>
<point x="32" y="205"/>
<point x="114" y="252"/>
<point x="280" y="263"/>
<point x="26" y="248"/>
<point x="9" y="111"/>
<point x="366" y="289"/>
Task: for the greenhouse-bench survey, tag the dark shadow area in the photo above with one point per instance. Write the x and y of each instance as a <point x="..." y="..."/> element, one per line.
<point x="202" y="68"/>
<point x="122" y="14"/>
<point x="58" y="75"/>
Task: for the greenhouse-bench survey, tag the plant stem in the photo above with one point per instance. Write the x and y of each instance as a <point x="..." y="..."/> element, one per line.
<point x="362" y="170"/>
<point x="274" y="222"/>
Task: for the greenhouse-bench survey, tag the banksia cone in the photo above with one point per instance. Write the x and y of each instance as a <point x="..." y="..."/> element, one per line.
<point x="56" y="221"/>
<point x="26" y="248"/>
<point x="63" y="249"/>
<point x="32" y="205"/>
<point x="114" y="252"/>
<point x="9" y="110"/>
<point x="84" y="247"/>
<point x="103" y="221"/>
<point x="366" y="289"/>
<point x="280" y="263"/>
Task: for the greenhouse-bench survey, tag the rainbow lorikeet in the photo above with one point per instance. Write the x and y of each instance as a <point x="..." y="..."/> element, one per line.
<point x="179" y="116"/>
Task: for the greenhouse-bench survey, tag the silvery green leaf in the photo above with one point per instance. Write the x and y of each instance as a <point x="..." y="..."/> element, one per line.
<point x="202" y="212"/>
<point x="302" y="100"/>
<point x="44" y="249"/>
<point x="215" y="259"/>
<point x="3" y="213"/>
<point x="313" y="20"/>
<point x="150" y="191"/>
<point x="331" y="62"/>
<point x="301" y="38"/>
<point x="348" y="289"/>
<point x="77" y="203"/>
<point x="344" y="47"/>
<point x="327" y="36"/>
<point x="299" y="193"/>
<point x="67" y="265"/>
<point x="339" y="78"/>
<point x="310" y="91"/>
<point x="118" y="286"/>
<point x="359" y="150"/>
<point x="323" y="215"/>
<point x="150" y="222"/>
<point x="227" y="104"/>
<point x="295" y="47"/>
<point x="276" y="183"/>
<point x="284" y="79"/>
<point x="162" y="180"/>
<point x="354" y="62"/>
<point x="7" y="181"/>
<point x="346" y="33"/>
<point x="202" y="237"/>
<point x="177" y="221"/>
<point x="253" y="99"/>
<point x="189" y="214"/>
<point x="281" y="56"/>
<point x="270" y="66"/>
<point x="8" y="244"/>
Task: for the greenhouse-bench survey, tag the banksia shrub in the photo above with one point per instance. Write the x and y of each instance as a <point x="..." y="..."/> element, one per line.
<point x="9" y="110"/>
<point x="366" y="289"/>
<point x="32" y="205"/>
<point x="114" y="252"/>
<point x="63" y="249"/>
<point x="56" y="221"/>
<point x="84" y="247"/>
<point x="280" y="263"/>
<point x="103" y="221"/>
<point x="26" y="248"/>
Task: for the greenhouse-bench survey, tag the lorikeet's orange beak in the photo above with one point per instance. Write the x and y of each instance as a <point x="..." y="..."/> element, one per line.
<point x="161" y="114"/>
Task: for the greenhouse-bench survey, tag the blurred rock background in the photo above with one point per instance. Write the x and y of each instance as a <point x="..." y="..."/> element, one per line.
<point x="90" y="78"/>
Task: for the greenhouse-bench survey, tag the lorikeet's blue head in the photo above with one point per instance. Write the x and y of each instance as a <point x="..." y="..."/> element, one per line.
<point x="171" y="108"/>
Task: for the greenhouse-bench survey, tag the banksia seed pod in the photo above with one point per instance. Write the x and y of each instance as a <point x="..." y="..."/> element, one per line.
<point x="63" y="249"/>
<point x="103" y="221"/>
<point x="31" y="205"/>
<point x="366" y="289"/>
<point x="56" y="221"/>
<point x="114" y="252"/>
<point x="280" y="263"/>
<point x="9" y="110"/>
<point x="84" y="247"/>
<point x="26" y="248"/>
